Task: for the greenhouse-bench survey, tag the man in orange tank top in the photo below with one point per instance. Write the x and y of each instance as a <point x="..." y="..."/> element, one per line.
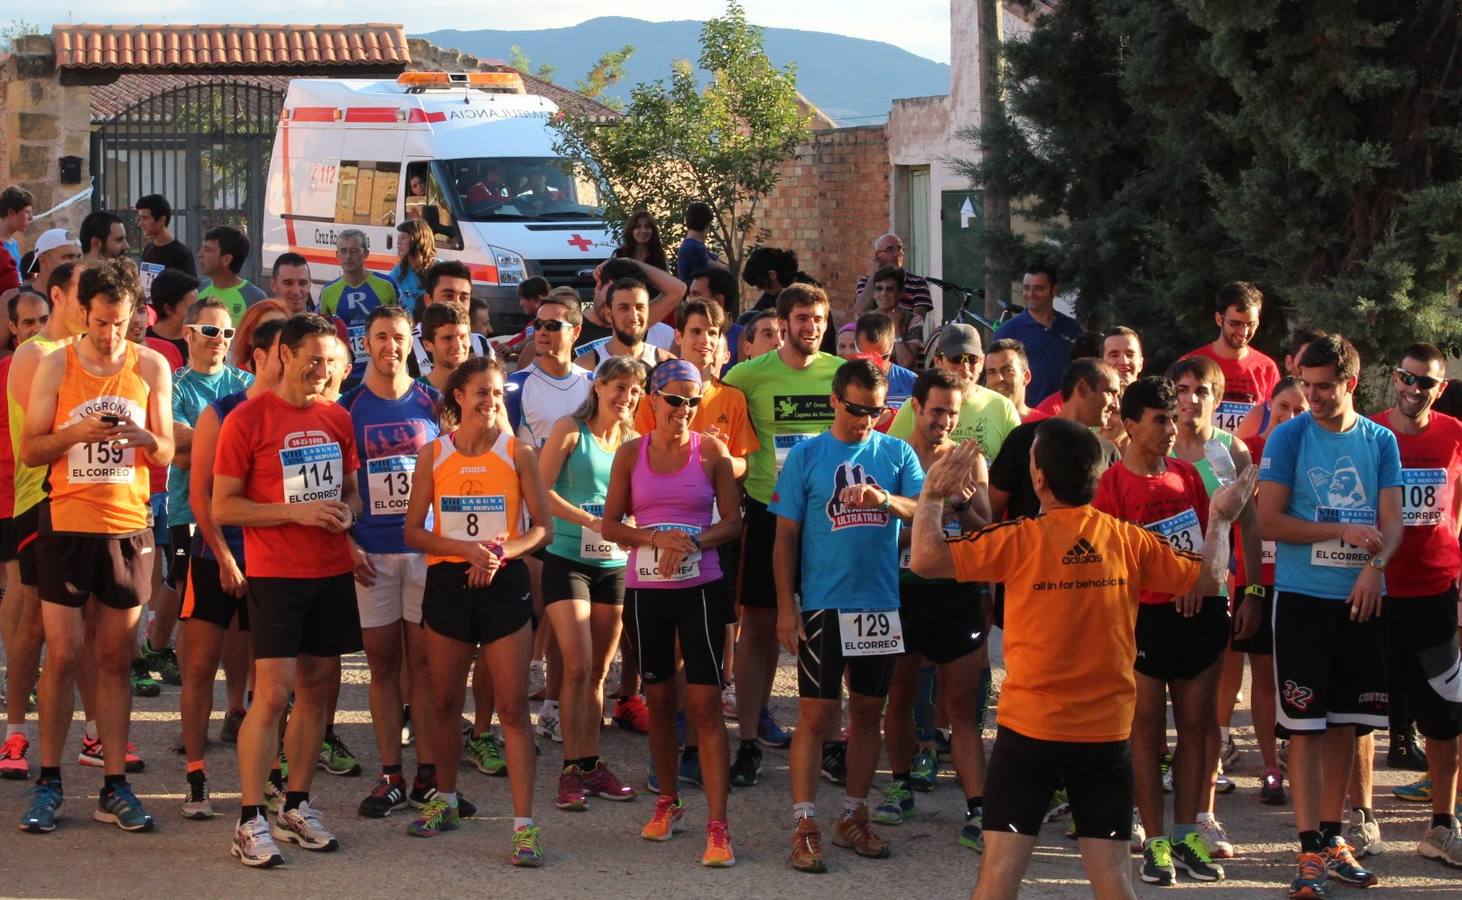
<point x="100" y="412"/>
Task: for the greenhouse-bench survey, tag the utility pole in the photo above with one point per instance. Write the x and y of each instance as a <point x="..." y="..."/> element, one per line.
<point x="996" y="203"/>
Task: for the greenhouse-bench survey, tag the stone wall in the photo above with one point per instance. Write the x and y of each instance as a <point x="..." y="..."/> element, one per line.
<point x="829" y="205"/>
<point x="41" y="121"/>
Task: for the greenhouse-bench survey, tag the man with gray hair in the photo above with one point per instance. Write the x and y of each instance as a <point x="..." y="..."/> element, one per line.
<point x="888" y="250"/>
<point x="355" y="294"/>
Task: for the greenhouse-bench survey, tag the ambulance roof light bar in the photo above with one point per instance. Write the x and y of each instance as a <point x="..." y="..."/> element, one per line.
<point x="502" y="81"/>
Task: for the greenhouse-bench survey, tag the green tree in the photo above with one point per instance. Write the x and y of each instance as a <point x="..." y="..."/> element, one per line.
<point x="676" y="143"/>
<point x="605" y="74"/>
<point x="519" y="60"/>
<point x="1164" y="147"/>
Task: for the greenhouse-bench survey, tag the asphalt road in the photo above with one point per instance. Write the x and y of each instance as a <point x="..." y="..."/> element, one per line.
<point x="599" y="852"/>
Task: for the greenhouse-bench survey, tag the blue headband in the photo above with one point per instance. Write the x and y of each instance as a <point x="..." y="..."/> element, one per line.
<point x="673" y="370"/>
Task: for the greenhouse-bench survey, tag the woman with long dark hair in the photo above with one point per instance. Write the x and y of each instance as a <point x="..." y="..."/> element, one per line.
<point x="642" y="241"/>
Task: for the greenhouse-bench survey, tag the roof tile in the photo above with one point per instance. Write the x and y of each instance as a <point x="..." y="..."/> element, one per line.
<point x="192" y="46"/>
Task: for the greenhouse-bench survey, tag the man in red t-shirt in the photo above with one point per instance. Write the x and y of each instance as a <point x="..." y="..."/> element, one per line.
<point x="1248" y="375"/>
<point x="1180" y="639"/>
<point x="1421" y="594"/>
<point x="285" y="470"/>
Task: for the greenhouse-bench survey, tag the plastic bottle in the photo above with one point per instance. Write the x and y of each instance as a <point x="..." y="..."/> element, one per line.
<point x="1220" y="461"/>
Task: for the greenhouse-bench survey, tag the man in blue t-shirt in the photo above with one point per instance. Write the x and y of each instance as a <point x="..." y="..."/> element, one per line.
<point x="394" y="417"/>
<point x="874" y="334"/>
<point x="838" y="501"/>
<point x="1330" y="497"/>
<point x="693" y="255"/>
<point x="1046" y="334"/>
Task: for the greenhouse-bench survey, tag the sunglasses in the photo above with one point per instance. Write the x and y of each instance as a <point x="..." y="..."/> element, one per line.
<point x="1425" y="382"/>
<point x="861" y="411"/>
<point x="214" y="331"/>
<point x="677" y="401"/>
<point x="552" y="326"/>
<point x="965" y="359"/>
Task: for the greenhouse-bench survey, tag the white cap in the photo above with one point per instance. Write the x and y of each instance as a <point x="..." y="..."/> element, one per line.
<point x="55" y="237"/>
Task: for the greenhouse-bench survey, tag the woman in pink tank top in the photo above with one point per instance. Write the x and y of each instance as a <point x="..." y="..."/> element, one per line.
<point x="673" y="483"/>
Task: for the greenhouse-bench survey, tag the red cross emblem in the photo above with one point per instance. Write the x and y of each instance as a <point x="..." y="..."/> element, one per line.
<point x="581" y="242"/>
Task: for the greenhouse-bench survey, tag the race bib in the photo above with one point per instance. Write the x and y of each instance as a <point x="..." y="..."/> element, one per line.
<point x="647" y="559"/>
<point x="871" y="632"/>
<point x="951" y="530"/>
<point x="312" y="473"/>
<point x="1182" y="531"/>
<point x="1267" y="552"/>
<point x="357" y="335"/>
<point x="481" y="518"/>
<point x="389" y="481"/>
<point x="146" y="272"/>
<point x="1337" y="554"/>
<point x="1229" y="413"/>
<point x="1422" y="493"/>
<point x="782" y="444"/>
<point x="592" y="544"/>
<point x="105" y="462"/>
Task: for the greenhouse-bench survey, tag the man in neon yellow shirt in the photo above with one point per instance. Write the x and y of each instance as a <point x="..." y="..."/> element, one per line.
<point x="985" y="416"/>
<point x="221" y="258"/>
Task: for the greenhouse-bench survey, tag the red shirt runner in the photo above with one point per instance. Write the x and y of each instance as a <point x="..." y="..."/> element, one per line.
<point x="1173" y="505"/>
<point x="1429" y="558"/>
<point x="1246" y="382"/>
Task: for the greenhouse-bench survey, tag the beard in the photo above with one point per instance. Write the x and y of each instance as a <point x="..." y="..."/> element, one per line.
<point x="627" y="338"/>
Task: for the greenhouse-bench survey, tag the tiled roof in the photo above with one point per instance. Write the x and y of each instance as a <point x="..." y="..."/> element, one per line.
<point x="110" y="100"/>
<point x="565" y="99"/>
<point x="251" y="46"/>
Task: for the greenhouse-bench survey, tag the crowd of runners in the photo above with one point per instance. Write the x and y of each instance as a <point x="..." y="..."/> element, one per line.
<point x="207" y="474"/>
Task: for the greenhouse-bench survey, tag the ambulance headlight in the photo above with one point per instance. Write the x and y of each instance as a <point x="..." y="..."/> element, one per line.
<point x="509" y="266"/>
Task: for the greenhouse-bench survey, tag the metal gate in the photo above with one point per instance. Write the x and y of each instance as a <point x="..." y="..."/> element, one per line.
<point x="205" y="147"/>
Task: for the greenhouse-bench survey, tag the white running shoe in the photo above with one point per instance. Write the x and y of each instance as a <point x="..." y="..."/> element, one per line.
<point x="1442" y="843"/>
<point x="254" y="846"/>
<point x="548" y="724"/>
<point x="1364" y="837"/>
<point x="1139" y="834"/>
<point x="1214" y="835"/>
<point x="303" y="825"/>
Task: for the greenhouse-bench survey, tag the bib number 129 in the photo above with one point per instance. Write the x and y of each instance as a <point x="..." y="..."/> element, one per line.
<point x="871" y="632"/>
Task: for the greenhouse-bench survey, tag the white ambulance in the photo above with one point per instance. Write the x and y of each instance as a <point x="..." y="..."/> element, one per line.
<point x="471" y="154"/>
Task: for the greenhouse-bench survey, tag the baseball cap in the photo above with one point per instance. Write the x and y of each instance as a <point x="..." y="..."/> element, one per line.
<point x="960" y="339"/>
<point x="53" y="238"/>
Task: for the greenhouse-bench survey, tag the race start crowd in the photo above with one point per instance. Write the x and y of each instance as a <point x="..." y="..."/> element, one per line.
<point x="297" y="480"/>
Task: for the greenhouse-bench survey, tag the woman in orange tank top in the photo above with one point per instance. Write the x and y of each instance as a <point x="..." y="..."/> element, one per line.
<point x="489" y="510"/>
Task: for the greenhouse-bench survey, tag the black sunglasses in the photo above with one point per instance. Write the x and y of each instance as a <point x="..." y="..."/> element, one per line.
<point x="550" y="325"/>
<point x="213" y="331"/>
<point x="677" y="401"/>
<point x="1425" y="382"/>
<point x="858" y="409"/>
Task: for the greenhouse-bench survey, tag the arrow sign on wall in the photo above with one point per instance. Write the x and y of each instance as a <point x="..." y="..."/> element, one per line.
<point x="966" y="212"/>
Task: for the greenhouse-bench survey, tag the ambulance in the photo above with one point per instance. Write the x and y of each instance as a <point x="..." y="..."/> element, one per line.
<point x="470" y="153"/>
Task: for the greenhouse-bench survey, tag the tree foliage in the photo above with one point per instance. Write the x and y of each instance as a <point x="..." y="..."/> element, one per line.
<point x="1165" y="147"/>
<point x="605" y="74"/>
<point x="676" y="143"/>
<point x="17" y="29"/>
<point x="520" y="61"/>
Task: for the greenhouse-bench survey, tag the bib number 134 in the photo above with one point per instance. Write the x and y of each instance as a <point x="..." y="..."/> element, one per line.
<point x="871" y="632"/>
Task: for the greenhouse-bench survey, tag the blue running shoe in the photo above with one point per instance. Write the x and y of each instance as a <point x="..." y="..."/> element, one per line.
<point x="770" y="733"/>
<point x="680" y="728"/>
<point x="40" y="818"/>
<point x="120" y="807"/>
<point x="690" y="769"/>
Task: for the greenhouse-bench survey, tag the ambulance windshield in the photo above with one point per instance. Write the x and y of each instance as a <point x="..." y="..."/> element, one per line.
<point x="518" y="187"/>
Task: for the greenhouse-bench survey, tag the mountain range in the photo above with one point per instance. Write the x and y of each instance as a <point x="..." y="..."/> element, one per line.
<point x="850" y="79"/>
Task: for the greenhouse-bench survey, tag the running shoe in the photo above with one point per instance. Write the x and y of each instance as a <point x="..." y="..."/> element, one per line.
<point x="1157" y="862"/>
<point x="689" y="770"/>
<point x="273" y="798"/>
<point x="631" y="714"/>
<point x="484" y="752"/>
<point x="163" y="663"/>
<point x="1230" y="755"/>
<point x="807" y="847"/>
<point x="746" y="768"/>
<point x="13" y="763"/>
<point x="1405" y="754"/>
<point x="229" y="731"/>
<point x="602" y="783"/>
<point x="1444" y="843"/>
<point x="254" y="845"/>
<point x="718" y="853"/>
<point x="527" y="848"/>
<point x="728" y="703"/>
<point x="143" y="684"/>
<point x="1216" y="838"/>
<point x="571" y="794"/>
<point x="925" y="770"/>
<point x="941" y="745"/>
<point x="1309" y="884"/>
<point x="835" y="761"/>
<point x="91" y="755"/>
<point x="1281" y="750"/>
<point x="408" y="732"/>
<point x="282" y="764"/>
<point x="854" y="832"/>
<point x="1139" y="834"/>
<point x="972" y="835"/>
<point x="1223" y="784"/>
<point x="1271" y="788"/>
<point x="434" y="818"/>
<point x="1364" y="837"/>
<point x="424" y="792"/>
<point x="770" y="734"/>
<point x="652" y="780"/>
<point x="118" y="806"/>
<point x="1416" y="792"/>
<point x="303" y="825"/>
<point x="388" y="796"/>
<point x="1165" y="766"/>
<point x="897" y="805"/>
<point x="548" y="723"/>
<point x="665" y="820"/>
<point x="537" y="680"/>
<point x="1060" y="805"/>
<point x="198" y="805"/>
<point x="336" y="758"/>
<point x="1192" y="856"/>
<point x="40" y="817"/>
<point x="1342" y="865"/>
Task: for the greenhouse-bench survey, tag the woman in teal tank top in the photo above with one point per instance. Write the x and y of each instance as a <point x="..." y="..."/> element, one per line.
<point x="583" y="574"/>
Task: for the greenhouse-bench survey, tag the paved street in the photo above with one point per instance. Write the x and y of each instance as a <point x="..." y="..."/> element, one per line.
<point x="595" y="852"/>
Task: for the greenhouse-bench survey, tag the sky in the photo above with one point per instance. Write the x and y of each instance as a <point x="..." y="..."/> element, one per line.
<point x="919" y="26"/>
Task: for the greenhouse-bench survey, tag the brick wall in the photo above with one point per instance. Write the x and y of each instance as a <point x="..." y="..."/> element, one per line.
<point x="829" y="205"/>
<point x="42" y="120"/>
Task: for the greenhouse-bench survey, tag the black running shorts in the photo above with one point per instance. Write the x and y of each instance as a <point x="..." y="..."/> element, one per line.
<point x="820" y="662"/>
<point x="1171" y="646"/>
<point x="472" y="615"/>
<point x="655" y="617"/>
<point x="755" y="584"/>
<point x="567" y="579"/>
<point x="1261" y="642"/>
<point x="116" y="570"/>
<point x="1329" y="669"/>
<point x="1425" y="661"/>
<point x="290" y="617"/>
<point x="944" y="622"/>
<point x="205" y="599"/>
<point x="1023" y="773"/>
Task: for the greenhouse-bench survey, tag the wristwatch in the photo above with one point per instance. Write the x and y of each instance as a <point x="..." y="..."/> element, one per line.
<point x="1255" y="590"/>
<point x="1375" y="562"/>
<point x="887" y="500"/>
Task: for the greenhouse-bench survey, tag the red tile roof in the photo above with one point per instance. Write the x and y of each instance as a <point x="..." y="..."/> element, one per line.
<point x="214" y="46"/>
<point x="130" y="88"/>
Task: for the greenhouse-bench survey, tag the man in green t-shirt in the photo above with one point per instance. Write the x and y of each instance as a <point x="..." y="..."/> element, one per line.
<point x="787" y="398"/>
<point x="221" y="258"/>
<point x="985" y="415"/>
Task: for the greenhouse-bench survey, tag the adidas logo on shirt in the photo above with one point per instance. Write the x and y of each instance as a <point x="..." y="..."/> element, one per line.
<point x="1081" y="553"/>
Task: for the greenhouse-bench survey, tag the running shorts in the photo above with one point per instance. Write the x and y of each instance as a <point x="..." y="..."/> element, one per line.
<point x="27" y="530"/>
<point x="205" y="599"/>
<point x="1425" y="661"/>
<point x="1024" y="771"/>
<point x="655" y="617"/>
<point x="820" y="662"/>
<point x="1328" y="668"/>
<point x="116" y="570"/>
<point x="755" y="584"/>
<point x="567" y="579"/>
<point x="1173" y="646"/>
<point x="8" y="540"/>
<point x="397" y="592"/>
<point x="290" y="617"/>
<point x="944" y="622"/>
<point x="1261" y="642"/>
<point x="477" y="615"/>
<point x="180" y="542"/>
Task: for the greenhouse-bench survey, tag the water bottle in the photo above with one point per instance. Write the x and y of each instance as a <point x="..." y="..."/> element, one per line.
<point x="1220" y="461"/>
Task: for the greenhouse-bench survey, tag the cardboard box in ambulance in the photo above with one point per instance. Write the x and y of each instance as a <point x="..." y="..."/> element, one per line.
<point x="471" y="155"/>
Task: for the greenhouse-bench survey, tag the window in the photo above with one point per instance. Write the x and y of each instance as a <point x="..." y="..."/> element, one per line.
<point x="426" y="200"/>
<point x="366" y="193"/>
